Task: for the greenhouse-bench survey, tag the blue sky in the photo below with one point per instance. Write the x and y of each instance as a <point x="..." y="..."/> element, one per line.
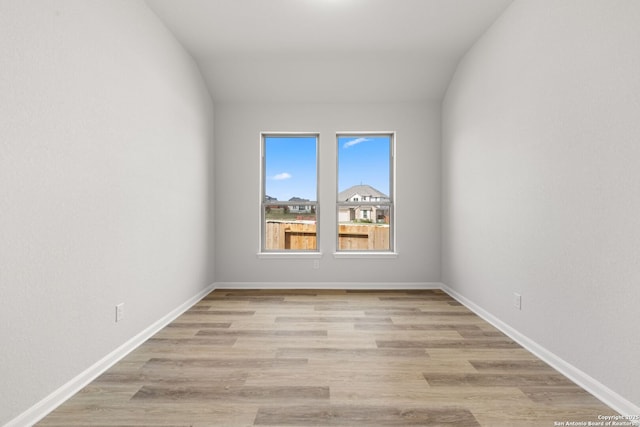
<point x="290" y="167"/>
<point x="364" y="160"/>
<point x="290" y="164"/>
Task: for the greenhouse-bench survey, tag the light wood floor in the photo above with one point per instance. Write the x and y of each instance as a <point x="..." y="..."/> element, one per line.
<point x="329" y="358"/>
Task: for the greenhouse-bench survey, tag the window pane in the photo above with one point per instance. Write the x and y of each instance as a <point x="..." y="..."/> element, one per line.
<point x="290" y="227"/>
<point x="364" y="160"/>
<point x="289" y="204"/>
<point x="355" y="236"/>
<point x="364" y="192"/>
<point x="290" y="168"/>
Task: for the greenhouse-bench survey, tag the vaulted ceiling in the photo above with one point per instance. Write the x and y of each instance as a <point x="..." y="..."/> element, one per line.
<point x="327" y="50"/>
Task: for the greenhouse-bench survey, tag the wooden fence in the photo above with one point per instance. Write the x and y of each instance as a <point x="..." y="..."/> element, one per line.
<point x="354" y="237"/>
<point x="302" y="236"/>
<point x="290" y="235"/>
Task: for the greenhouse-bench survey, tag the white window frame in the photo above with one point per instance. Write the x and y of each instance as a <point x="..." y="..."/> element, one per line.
<point x="287" y="253"/>
<point x="392" y="251"/>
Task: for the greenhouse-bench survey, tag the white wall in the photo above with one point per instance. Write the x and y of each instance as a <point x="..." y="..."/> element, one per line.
<point x="237" y="133"/>
<point x="105" y="186"/>
<point x="541" y="181"/>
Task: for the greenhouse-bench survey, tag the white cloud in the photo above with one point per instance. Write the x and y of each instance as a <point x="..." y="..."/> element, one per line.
<point x="281" y="176"/>
<point x="355" y="142"/>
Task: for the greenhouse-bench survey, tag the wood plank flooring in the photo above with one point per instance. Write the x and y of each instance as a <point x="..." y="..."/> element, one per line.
<point x="328" y="358"/>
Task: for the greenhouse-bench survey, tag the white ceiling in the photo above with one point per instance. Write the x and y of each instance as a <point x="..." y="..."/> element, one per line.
<point x="327" y="50"/>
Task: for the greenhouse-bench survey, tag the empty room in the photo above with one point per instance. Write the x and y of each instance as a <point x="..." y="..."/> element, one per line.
<point x="319" y="212"/>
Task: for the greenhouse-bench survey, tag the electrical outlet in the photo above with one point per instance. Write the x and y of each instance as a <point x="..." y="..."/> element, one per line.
<point x="119" y="312"/>
<point x="316" y="264"/>
<point x="517" y="301"/>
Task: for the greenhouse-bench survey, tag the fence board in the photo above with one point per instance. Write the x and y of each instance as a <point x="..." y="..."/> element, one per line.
<point x="280" y="235"/>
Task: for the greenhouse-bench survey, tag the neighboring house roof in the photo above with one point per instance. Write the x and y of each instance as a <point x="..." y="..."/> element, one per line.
<point x="298" y="199"/>
<point x="362" y="190"/>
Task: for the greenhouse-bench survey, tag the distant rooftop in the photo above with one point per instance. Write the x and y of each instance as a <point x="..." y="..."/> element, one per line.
<point x="362" y="190"/>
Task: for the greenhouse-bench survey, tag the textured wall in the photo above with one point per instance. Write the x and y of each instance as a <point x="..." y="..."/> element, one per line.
<point x="238" y="128"/>
<point x="105" y="186"/>
<point x="541" y="181"/>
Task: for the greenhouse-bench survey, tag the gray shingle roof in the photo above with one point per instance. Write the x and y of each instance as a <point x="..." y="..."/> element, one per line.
<point x="363" y="190"/>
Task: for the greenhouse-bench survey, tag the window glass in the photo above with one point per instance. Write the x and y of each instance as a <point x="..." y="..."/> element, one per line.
<point x="365" y="196"/>
<point x="289" y="192"/>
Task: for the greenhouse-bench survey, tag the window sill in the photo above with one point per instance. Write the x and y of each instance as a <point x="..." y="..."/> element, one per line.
<point x="365" y="255"/>
<point x="289" y="255"/>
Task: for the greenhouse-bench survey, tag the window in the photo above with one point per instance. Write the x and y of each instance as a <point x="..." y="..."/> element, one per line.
<point x="365" y="192"/>
<point x="289" y="206"/>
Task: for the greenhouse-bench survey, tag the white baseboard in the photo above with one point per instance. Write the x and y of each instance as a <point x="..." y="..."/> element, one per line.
<point x="55" y="399"/>
<point x="597" y="389"/>
<point x="330" y="285"/>
<point x="58" y="397"/>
